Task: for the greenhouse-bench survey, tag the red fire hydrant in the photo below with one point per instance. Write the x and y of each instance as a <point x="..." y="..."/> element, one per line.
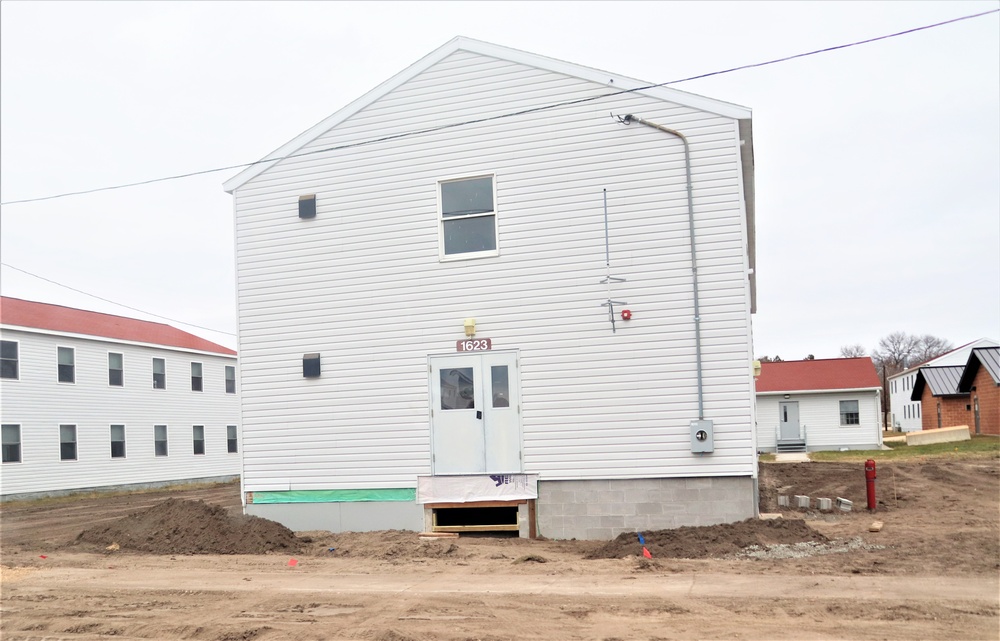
<point x="870" y="482"/>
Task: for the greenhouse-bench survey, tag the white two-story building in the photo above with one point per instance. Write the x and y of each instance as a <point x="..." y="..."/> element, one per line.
<point x="501" y="290"/>
<point x="97" y="401"/>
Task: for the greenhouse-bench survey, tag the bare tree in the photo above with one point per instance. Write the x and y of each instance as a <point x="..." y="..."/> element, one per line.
<point x="930" y="347"/>
<point x="853" y="351"/>
<point x="895" y="353"/>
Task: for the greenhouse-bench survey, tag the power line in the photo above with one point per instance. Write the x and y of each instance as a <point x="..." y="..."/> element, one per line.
<point x="107" y="300"/>
<point x="522" y="112"/>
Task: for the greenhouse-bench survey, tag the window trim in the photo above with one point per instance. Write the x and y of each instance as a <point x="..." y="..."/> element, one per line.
<point x="122" y="370"/>
<point x="164" y="361"/>
<point x="111" y="439"/>
<point x="17" y="363"/>
<point x="200" y="377"/>
<point x="59" y="365"/>
<point x="76" y="443"/>
<point x="447" y="258"/>
<point x="20" y="444"/>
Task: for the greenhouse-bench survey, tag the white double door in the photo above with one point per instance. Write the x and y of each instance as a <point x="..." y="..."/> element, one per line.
<point x="475" y="413"/>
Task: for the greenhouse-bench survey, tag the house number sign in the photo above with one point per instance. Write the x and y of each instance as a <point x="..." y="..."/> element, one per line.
<point x="474" y="345"/>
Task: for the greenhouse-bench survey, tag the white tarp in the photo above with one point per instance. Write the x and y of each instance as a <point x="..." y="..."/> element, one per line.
<point x="465" y="489"/>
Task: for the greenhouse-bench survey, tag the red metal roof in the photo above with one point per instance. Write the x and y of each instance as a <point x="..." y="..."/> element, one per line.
<point x="826" y="374"/>
<point x="26" y="313"/>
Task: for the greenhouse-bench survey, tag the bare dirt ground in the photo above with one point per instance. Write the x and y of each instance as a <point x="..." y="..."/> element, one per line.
<point x="166" y="565"/>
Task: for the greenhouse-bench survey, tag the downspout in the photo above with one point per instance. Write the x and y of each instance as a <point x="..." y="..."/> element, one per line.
<point x="627" y="120"/>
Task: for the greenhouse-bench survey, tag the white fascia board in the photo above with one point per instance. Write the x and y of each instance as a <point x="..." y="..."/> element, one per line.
<point x="117" y="341"/>
<point x="821" y="391"/>
<point x="614" y="83"/>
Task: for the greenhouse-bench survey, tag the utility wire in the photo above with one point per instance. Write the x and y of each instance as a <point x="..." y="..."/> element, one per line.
<point x="522" y="112"/>
<point x="106" y="300"/>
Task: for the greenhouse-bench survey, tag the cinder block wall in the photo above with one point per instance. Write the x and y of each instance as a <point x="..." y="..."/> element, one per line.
<point x="601" y="510"/>
<point x="988" y="393"/>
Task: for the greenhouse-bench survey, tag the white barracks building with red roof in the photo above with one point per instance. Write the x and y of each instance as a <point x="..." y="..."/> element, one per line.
<point x="95" y="401"/>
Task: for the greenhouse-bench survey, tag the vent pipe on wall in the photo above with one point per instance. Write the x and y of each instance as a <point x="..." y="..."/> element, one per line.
<point x="627" y="120"/>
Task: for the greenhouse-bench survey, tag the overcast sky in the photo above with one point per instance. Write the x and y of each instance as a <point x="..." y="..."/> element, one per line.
<point x="877" y="166"/>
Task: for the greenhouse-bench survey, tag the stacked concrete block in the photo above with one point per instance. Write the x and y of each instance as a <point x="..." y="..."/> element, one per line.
<point x="802" y="502"/>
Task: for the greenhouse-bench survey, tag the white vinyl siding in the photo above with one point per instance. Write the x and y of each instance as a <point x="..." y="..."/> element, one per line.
<point x="363" y="285"/>
<point x="820" y="419"/>
<point x="40" y="404"/>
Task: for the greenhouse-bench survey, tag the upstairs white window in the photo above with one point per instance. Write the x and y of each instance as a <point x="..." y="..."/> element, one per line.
<point x="468" y="218"/>
<point x="8" y="359"/>
<point x="230" y="379"/>
<point x="195" y="377"/>
<point x="67" y="364"/>
<point x="159" y="373"/>
<point x="116" y="370"/>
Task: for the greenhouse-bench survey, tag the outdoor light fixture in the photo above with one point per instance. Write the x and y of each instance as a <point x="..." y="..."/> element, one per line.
<point x="788" y="395"/>
<point x="470" y="326"/>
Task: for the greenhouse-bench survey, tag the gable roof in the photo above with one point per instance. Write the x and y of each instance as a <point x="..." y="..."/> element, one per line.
<point x="15" y="312"/>
<point x="943" y="381"/>
<point x="949" y="357"/>
<point x="818" y="375"/>
<point x="614" y="82"/>
<point x="987" y="357"/>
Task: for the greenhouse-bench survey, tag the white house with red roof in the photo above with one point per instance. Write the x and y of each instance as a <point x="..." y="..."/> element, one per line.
<point x="95" y="401"/>
<point x="829" y="404"/>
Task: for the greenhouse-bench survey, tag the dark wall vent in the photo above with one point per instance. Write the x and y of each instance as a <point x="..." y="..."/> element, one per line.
<point x="307" y="206"/>
<point x="310" y="365"/>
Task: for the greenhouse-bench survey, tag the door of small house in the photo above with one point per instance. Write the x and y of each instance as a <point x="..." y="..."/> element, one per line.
<point x="788" y="420"/>
<point x="475" y="417"/>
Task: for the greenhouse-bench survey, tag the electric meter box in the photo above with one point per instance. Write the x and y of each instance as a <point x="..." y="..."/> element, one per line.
<point x="702" y="438"/>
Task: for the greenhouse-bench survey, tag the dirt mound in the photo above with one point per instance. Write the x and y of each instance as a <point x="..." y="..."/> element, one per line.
<point x="709" y="541"/>
<point x="384" y="545"/>
<point x="176" y="526"/>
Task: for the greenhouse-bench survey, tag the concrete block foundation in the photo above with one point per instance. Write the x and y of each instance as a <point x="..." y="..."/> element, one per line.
<point x="603" y="509"/>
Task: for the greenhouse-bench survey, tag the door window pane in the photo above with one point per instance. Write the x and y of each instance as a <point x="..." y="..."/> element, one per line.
<point x="457" y="389"/>
<point x="501" y="386"/>
<point x="117" y="441"/>
<point x="67" y="442"/>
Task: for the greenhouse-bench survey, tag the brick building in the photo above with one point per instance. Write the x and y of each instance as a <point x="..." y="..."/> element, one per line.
<point x="981" y="381"/>
<point x="961" y="395"/>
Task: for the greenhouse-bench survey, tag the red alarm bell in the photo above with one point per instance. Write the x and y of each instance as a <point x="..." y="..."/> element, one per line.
<point x="626" y="314"/>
